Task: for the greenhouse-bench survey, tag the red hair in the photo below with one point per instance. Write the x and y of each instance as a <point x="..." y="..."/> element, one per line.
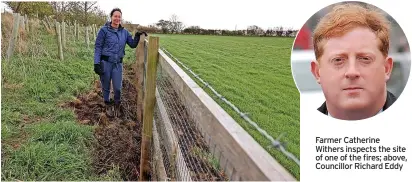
<point x="345" y="17"/>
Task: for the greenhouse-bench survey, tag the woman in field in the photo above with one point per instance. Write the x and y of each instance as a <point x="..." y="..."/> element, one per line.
<point x="108" y="58"/>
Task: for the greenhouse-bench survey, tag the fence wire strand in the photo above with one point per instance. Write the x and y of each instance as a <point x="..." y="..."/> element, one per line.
<point x="276" y="143"/>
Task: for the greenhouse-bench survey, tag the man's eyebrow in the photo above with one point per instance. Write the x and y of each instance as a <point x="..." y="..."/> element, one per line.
<point x="337" y="53"/>
<point x="368" y="53"/>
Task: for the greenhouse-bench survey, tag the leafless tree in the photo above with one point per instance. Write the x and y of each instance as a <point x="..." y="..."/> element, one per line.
<point x="175" y="26"/>
<point x="86" y="7"/>
<point x="60" y="9"/>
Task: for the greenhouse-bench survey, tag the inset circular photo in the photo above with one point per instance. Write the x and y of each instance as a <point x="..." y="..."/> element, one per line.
<point x="353" y="59"/>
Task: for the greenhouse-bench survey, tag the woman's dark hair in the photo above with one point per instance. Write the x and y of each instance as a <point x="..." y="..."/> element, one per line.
<point x="115" y="9"/>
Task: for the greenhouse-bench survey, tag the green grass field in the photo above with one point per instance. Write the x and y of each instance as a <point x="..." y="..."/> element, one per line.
<point x="254" y="74"/>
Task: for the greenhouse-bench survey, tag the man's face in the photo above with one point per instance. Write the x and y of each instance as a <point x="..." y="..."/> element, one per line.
<point x="352" y="70"/>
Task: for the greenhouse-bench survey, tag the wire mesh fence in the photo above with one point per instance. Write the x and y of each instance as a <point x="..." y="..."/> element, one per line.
<point x="162" y="137"/>
<point x="276" y="143"/>
<point x="160" y="162"/>
<point x="192" y="158"/>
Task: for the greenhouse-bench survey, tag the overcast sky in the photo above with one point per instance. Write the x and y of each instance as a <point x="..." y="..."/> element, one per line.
<point x="227" y="14"/>
<point x="219" y="14"/>
<point x="223" y="14"/>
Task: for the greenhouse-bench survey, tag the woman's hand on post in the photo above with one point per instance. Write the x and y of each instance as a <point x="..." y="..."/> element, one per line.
<point x="140" y="33"/>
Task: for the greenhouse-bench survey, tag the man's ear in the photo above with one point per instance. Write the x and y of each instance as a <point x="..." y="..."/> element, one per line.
<point x="388" y="68"/>
<point x="314" y="68"/>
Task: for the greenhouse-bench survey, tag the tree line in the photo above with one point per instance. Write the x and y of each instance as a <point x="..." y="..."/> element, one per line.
<point x="174" y="26"/>
<point x="252" y="30"/>
<point x="83" y="12"/>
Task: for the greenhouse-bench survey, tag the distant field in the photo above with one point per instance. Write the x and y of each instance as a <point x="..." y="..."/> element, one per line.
<point x="254" y="74"/>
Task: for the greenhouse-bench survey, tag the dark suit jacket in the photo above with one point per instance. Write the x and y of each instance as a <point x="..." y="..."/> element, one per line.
<point x="390" y="99"/>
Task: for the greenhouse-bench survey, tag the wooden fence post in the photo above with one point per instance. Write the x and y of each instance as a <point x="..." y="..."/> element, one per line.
<point x="149" y="103"/>
<point x="64" y="34"/>
<point x="74" y="32"/>
<point x="53" y="25"/>
<point x="45" y="25"/>
<point x="139" y="76"/>
<point x="77" y="32"/>
<point x="22" y="21"/>
<point x="87" y="37"/>
<point x="48" y="22"/>
<point x="94" y="32"/>
<point x="69" y="31"/>
<point x="59" y="40"/>
<point x="13" y="38"/>
<point x="27" y="23"/>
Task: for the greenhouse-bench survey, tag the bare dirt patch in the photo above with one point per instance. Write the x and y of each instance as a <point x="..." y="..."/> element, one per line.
<point x="117" y="139"/>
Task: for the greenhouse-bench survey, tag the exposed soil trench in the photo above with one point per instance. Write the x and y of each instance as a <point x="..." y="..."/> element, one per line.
<point x="117" y="139"/>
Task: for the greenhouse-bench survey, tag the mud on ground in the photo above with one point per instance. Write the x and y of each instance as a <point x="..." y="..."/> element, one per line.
<point x="117" y="139"/>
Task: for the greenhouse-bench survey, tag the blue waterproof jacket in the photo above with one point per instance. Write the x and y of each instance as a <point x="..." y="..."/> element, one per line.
<point x="111" y="42"/>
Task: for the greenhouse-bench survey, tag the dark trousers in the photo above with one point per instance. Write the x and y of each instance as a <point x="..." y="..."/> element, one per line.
<point x="112" y="72"/>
